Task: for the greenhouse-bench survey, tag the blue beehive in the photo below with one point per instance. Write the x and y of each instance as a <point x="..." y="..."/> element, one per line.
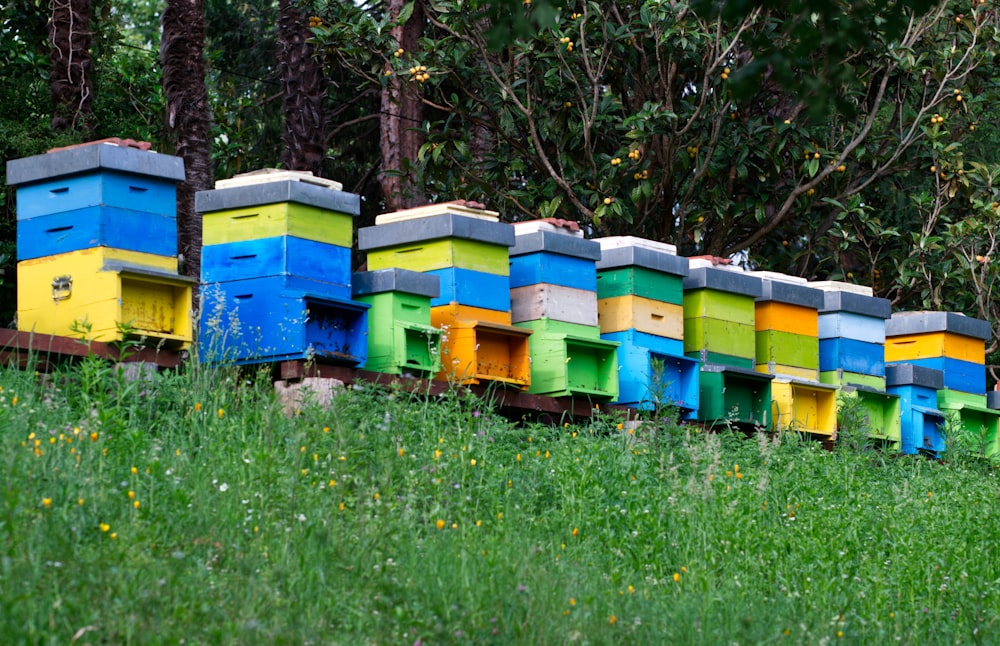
<point x="100" y="195"/>
<point x="653" y="370"/>
<point x="922" y="422"/>
<point x="852" y="335"/>
<point x="277" y="285"/>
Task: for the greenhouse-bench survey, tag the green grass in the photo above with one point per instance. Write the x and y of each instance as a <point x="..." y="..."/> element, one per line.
<point x="253" y="527"/>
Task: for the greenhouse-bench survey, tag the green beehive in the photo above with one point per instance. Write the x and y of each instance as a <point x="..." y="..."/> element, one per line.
<point x="972" y="423"/>
<point x="734" y="396"/>
<point x="401" y="339"/>
<point x="640" y="281"/>
<point x="719" y="313"/>
<point x="879" y="412"/>
<point x="571" y="360"/>
<point x="787" y="349"/>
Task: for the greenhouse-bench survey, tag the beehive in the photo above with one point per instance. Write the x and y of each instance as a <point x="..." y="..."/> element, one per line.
<point x="804" y="406"/>
<point x="852" y="335"/>
<point x="921" y="423"/>
<point x="945" y="341"/>
<point x="401" y="339"/>
<point x="734" y="396"/>
<point x="786" y="324"/>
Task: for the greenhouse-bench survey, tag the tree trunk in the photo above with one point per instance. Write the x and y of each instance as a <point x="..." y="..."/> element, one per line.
<point x="70" y="84"/>
<point x="188" y="116"/>
<point x="401" y="118"/>
<point x="303" y="87"/>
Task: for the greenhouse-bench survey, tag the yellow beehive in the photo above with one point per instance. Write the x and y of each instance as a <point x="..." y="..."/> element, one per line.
<point x="811" y="408"/>
<point x="931" y="345"/>
<point x="620" y="313"/>
<point x="102" y="294"/>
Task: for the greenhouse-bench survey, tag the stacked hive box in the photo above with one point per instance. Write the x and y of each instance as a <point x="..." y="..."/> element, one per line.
<point x="97" y="245"/>
<point x="786" y="328"/>
<point x="467" y="249"/>
<point x="921" y="421"/>
<point x="401" y="339"/>
<point x="640" y="304"/>
<point x="719" y="332"/>
<point x="852" y="354"/>
<point x="276" y="271"/>
<point x="553" y="291"/>
<point x="955" y="345"/>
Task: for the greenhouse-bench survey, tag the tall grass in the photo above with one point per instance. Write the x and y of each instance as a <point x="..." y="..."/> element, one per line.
<point x="186" y="507"/>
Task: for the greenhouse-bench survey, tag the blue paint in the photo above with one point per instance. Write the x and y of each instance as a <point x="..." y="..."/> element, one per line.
<point x="304" y="264"/>
<point x="472" y="288"/>
<point x="850" y="355"/>
<point x="554" y="269"/>
<point x="965" y="376"/>
<point x="653" y="370"/>
<point x="921" y="420"/>
<point x="96" y="226"/>
<point x="107" y="188"/>
<point x="258" y="320"/>
<point x="852" y="326"/>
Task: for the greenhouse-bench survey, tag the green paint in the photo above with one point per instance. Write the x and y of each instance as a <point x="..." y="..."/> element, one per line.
<point x="787" y="349"/>
<point x="640" y="281"/>
<point x="719" y="336"/>
<point x="716" y="304"/>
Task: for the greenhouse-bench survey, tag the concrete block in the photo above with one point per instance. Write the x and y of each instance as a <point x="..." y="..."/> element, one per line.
<point x="296" y="395"/>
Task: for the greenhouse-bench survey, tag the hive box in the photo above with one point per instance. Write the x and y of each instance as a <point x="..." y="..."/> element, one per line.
<point x="975" y="424"/>
<point x="477" y="351"/>
<point x="439" y="242"/>
<point x="543" y="253"/>
<point x="921" y="423"/>
<point x="653" y="372"/>
<point x="401" y="339"/>
<point x="257" y="320"/>
<point x="879" y="413"/>
<point x="105" y="294"/>
<point x="302" y="264"/>
<point x="277" y="208"/>
<point x="786" y="321"/>
<point x="730" y="395"/>
<point x="804" y="406"/>
<point x="96" y="226"/>
<point x="98" y="175"/>
<point x="472" y="289"/>
<point x="719" y="314"/>
<point x="945" y="341"/>
<point x="571" y="360"/>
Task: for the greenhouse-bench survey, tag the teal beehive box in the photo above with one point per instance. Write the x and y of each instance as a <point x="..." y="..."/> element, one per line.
<point x="401" y="339"/>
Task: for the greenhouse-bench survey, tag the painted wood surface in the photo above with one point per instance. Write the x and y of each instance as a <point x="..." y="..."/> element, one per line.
<point x="443" y="254"/>
<point x="445" y="315"/>
<point x="280" y="219"/>
<point x="704" y="356"/>
<point x="794" y="372"/>
<point x="935" y="344"/>
<point x="553" y="302"/>
<point x="853" y="326"/>
<point x="472" y="288"/>
<point x="785" y="317"/>
<point x="734" y="397"/>
<point x="804" y="407"/>
<point x="400" y="336"/>
<point x="474" y="352"/>
<point x="620" y="313"/>
<point x="720" y="336"/>
<point x="852" y="356"/>
<point x="879" y="412"/>
<point x="921" y="422"/>
<point x="714" y="304"/>
<point x="640" y="281"/>
<point x="257" y="320"/>
<point x="552" y="268"/>
<point x="104" y="188"/>
<point x="305" y="264"/>
<point x="566" y="365"/>
<point x="94" y="292"/>
<point x="964" y="376"/>
<point x="977" y="422"/>
<point x="96" y="226"/>
<point x="788" y="349"/>
<point x="653" y="372"/>
<point x="847" y="378"/>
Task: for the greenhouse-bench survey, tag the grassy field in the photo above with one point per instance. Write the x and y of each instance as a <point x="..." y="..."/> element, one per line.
<point x="189" y="509"/>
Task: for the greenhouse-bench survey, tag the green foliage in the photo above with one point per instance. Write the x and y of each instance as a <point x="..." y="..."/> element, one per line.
<point x="213" y="514"/>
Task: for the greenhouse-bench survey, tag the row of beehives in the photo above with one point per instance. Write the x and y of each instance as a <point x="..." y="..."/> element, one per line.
<point x="454" y="294"/>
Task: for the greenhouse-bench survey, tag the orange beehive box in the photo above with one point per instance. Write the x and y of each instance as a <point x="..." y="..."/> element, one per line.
<point x="786" y="317"/>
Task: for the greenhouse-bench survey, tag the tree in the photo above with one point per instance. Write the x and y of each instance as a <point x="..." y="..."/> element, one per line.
<point x="71" y="79"/>
<point x="188" y="116"/>
<point x="303" y="86"/>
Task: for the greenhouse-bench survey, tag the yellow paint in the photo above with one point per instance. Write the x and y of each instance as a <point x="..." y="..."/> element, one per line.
<point x="801" y="407"/>
<point x="446" y="315"/>
<point x="935" y="344"/>
<point x="428" y="255"/>
<point x="619" y="313"/>
<point x="476" y="351"/>
<point x="784" y="317"/>
<point x="92" y="292"/>
<point x="272" y="220"/>
<point x="795" y="372"/>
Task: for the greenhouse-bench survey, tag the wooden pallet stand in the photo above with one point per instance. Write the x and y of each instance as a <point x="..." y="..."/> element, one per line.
<point x="921" y="423"/>
<point x="401" y="339"/>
